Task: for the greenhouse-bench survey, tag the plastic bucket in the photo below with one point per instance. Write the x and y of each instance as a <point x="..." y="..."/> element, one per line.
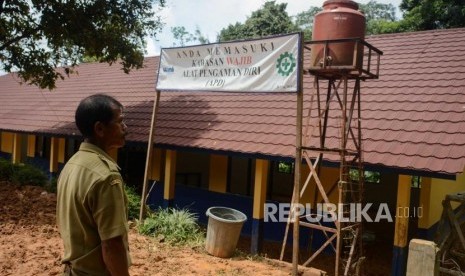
<point x="223" y="230"/>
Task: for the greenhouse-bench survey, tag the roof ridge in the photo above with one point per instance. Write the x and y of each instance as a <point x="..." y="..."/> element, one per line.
<point x="415" y="33"/>
<point x="416" y="120"/>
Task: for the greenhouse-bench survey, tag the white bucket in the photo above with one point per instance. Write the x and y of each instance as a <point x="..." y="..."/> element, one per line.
<point x="223" y="231"/>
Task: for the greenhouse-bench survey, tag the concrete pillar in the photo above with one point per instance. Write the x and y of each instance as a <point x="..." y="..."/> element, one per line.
<point x="54" y="149"/>
<point x="259" y="197"/>
<point x="61" y="150"/>
<point x="170" y="177"/>
<point x="16" y="154"/>
<point x="218" y="173"/>
<point x="422" y="258"/>
<point x="399" y="258"/>
<point x="157" y="162"/>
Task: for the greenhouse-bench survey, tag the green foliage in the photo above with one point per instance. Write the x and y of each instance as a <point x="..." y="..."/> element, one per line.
<point x="36" y="36"/>
<point x="381" y="18"/>
<point x="377" y="11"/>
<point x="369" y="176"/>
<point x="433" y="14"/>
<point x="51" y="185"/>
<point x="24" y="174"/>
<point x="285" y="167"/>
<point x="386" y="27"/>
<point x="181" y="35"/>
<point x="416" y="181"/>
<point x="304" y="21"/>
<point x="176" y="226"/>
<point x="6" y="170"/>
<point x="271" y="19"/>
<point x="184" y="37"/>
<point x="133" y="202"/>
<point x="200" y="37"/>
<point x="232" y="32"/>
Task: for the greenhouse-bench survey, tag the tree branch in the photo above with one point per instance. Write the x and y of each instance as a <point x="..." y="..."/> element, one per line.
<point x="18" y="38"/>
<point x="1" y="6"/>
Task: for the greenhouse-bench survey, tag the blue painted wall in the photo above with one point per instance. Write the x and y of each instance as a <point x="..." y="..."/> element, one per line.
<point x="5" y="155"/>
<point x="198" y="200"/>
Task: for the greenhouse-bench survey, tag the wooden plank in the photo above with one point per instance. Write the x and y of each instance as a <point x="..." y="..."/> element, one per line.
<point x="320" y="250"/>
<point x="456" y="225"/>
<point x="319" y="227"/>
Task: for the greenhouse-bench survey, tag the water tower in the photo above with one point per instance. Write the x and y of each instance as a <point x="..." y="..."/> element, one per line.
<point x="338" y="58"/>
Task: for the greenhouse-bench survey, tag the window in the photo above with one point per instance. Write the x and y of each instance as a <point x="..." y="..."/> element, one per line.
<point x="189" y="179"/>
<point x="370" y="176"/>
<point x="416" y="181"/>
<point x="286" y="167"/>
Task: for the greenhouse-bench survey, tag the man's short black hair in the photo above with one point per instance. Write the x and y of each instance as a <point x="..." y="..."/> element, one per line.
<point x="95" y="108"/>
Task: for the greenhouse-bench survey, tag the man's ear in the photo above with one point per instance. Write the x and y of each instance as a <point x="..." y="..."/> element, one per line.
<point x="98" y="129"/>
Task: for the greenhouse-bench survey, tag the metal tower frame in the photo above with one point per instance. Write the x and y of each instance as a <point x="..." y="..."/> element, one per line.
<point x="334" y="112"/>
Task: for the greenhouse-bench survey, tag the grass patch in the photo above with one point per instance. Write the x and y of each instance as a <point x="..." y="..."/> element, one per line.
<point x="250" y="257"/>
<point x="175" y="226"/>
<point x="133" y="202"/>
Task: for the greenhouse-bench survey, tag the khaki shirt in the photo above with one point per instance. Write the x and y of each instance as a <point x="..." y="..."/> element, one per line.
<point x="92" y="206"/>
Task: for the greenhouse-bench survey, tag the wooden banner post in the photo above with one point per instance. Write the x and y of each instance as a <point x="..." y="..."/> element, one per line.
<point x="148" y="161"/>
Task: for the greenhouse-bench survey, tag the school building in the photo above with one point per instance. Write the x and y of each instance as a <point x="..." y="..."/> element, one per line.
<point x="235" y="149"/>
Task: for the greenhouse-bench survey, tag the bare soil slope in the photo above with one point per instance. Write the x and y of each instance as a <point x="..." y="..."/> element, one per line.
<point x="30" y="244"/>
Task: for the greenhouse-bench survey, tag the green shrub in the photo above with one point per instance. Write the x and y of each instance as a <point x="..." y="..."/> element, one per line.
<point x="24" y="174"/>
<point x="6" y="170"/>
<point x="176" y="226"/>
<point x="133" y="202"/>
<point x="51" y="185"/>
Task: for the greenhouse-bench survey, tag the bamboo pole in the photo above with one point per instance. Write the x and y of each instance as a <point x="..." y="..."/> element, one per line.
<point x="298" y="164"/>
<point x="149" y="158"/>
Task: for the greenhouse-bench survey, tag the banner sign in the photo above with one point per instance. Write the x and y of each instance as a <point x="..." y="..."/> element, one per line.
<point x="262" y="65"/>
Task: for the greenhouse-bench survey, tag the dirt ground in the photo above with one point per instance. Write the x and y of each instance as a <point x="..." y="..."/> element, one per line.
<point x="30" y="244"/>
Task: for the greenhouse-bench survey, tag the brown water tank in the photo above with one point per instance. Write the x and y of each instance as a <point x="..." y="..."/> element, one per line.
<point x="339" y="19"/>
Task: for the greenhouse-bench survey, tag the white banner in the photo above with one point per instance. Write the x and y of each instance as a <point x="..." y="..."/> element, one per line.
<point x="262" y="65"/>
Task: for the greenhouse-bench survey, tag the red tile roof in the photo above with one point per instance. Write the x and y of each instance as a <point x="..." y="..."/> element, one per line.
<point x="413" y="115"/>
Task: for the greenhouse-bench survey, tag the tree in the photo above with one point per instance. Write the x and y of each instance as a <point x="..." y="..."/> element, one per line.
<point x="181" y="35"/>
<point x="387" y="27"/>
<point x="304" y="21"/>
<point x="38" y="35"/>
<point x="184" y="37"/>
<point x="433" y="14"/>
<point x="271" y="19"/>
<point x="200" y="37"/>
<point x="376" y="11"/>
<point x="232" y="32"/>
<point x="380" y="18"/>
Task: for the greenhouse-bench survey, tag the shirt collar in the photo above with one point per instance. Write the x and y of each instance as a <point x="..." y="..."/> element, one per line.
<point x="85" y="146"/>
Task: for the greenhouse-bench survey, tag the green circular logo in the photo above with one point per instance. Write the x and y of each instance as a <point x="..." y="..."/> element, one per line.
<point x="285" y="64"/>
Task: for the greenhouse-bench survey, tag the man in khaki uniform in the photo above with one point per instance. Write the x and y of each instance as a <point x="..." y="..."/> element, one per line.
<point x="92" y="205"/>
